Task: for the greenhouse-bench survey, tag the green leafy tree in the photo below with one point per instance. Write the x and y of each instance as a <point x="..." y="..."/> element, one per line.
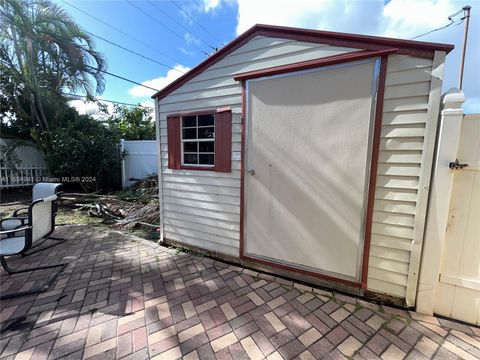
<point x="132" y="123"/>
<point x="43" y="53"/>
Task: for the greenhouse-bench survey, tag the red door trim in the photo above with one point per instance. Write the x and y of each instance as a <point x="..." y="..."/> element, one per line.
<point x="373" y="168"/>
<point x="371" y="189"/>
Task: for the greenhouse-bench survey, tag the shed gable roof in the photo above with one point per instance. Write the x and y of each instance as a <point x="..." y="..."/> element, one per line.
<point x="408" y="47"/>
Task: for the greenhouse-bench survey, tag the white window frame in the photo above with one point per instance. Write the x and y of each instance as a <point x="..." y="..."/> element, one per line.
<point x="197" y="140"/>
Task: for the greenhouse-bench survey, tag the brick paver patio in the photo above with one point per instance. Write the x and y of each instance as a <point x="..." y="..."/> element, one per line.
<point x="124" y="297"/>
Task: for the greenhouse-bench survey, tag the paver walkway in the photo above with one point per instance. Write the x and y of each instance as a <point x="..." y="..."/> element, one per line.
<point x="123" y="297"/>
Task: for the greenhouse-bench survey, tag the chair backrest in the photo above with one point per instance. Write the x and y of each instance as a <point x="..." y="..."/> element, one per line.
<point x="44" y="190"/>
<point x="41" y="217"/>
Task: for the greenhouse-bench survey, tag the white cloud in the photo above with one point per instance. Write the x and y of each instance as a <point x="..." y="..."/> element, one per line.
<point x="208" y="5"/>
<point x="189" y="38"/>
<point x="186" y="52"/>
<point x="148" y="103"/>
<point x="158" y="83"/>
<point x="91" y="108"/>
<point x="407" y="18"/>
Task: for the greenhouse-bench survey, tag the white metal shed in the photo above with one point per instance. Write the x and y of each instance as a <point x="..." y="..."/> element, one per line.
<point x="305" y="153"/>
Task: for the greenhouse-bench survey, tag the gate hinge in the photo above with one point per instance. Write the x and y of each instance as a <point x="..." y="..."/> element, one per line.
<point x="456" y="165"/>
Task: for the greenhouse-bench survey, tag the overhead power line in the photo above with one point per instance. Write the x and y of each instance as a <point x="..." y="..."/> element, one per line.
<point x="122" y="78"/>
<point x="452" y="22"/>
<point x="198" y="23"/>
<point x="133" y="52"/>
<point x="181" y="25"/>
<point x="120" y="31"/>
<point x="166" y="27"/>
<point x="110" y="101"/>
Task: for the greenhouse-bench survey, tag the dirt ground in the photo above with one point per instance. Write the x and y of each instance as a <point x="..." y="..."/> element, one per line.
<point x="12" y="200"/>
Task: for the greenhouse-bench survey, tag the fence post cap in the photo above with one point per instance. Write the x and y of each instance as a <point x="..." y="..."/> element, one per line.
<point x="453" y="99"/>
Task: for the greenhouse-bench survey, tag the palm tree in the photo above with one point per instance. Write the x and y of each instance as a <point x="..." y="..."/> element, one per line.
<point x="43" y="53"/>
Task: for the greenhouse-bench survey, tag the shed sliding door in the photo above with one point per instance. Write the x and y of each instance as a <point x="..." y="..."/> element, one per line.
<point x="308" y="139"/>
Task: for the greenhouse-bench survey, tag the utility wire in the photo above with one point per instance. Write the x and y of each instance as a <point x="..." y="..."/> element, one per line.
<point x="120" y="31"/>
<point x="180" y="24"/>
<point x="133" y="52"/>
<point x="122" y="78"/>
<point x="110" y="101"/>
<point x="198" y="23"/>
<point x="450" y="18"/>
<point x="166" y="27"/>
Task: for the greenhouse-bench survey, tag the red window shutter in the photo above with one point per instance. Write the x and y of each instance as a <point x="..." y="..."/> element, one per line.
<point x="173" y="136"/>
<point x="223" y="141"/>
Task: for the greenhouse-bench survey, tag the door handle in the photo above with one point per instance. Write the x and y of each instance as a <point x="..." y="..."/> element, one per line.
<point x="251" y="172"/>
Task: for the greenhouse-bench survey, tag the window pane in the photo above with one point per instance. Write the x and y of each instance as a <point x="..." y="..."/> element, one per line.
<point x="205" y="133"/>
<point x="206" y="159"/>
<point x="206" y="146"/>
<point x="189" y="121"/>
<point x="205" y="120"/>
<point x="190" y="159"/>
<point x="189" y="133"/>
<point x="190" y="146"/>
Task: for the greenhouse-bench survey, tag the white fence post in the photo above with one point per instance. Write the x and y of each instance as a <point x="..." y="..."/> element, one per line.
<point x="440" y="197"/>
<point x="140" y="160"/>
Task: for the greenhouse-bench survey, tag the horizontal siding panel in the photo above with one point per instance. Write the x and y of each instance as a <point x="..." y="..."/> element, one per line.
<point x="390" y="253"/>
<point x="386" y="287"/>
<point x="406" y="104"/>
<point x="400" y="157"/>
<point x="397" y="182"/>
<point x="202" y="212"/>
<point x="396" y="131"/>
<point x="205" y="189"/>
<point x="201" y="180"/>
<point x="201" y="235"/>
<point x="409" y="76"/>
<point x="407" y="90"/>
<point x="202" y="243"/>
<point x="392" y="230"/>
<point x="224" y="224"/>
<point x="207" y="229"/>
<point x="233" y="89"/>
<point x="398" y="169"/>
<point x="389" y="276"/>
<point x="405" y="117"/>
<point x="391" y="242"/>
<point x="388" y="265"/>
<point x="221" y="199"/>
<point x="403" y="62"/>
<point x="393" y="218"/>
<point x="394" y="206"/>
<point x="234" y="209"/>
<point x="414" y="143"/>
<point x="202" y="104"/>
<point x="396" y="194"/>
<point x="235" y="174"/>
<point x="236" y="164"/>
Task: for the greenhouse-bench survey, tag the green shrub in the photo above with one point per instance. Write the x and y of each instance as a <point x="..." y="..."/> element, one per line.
<point x="84" y="152"/>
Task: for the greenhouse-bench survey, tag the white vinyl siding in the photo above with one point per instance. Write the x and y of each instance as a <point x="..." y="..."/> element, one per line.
<point x="202" y="208"/>
<point x="400" y="164"/>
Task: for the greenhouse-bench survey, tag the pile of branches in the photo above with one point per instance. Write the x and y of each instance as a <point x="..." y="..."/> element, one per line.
<point x="128" y="209"/>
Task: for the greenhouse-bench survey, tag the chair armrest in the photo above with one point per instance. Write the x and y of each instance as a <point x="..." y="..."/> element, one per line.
<point x="22" y="219"/>
<point x="15" y="213"/>
<point x="12" y="231"/>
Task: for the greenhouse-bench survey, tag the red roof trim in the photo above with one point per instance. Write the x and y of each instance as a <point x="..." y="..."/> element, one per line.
<point x="310" y="64"/>
<point x="415" y="48"/>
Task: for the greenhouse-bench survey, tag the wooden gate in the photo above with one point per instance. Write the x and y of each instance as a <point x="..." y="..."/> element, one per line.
<point x="458" y="292"/>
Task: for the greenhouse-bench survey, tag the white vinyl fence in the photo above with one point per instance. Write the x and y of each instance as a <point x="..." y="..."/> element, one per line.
<point x="25" y="167"/>
<point x="139" y="159"/>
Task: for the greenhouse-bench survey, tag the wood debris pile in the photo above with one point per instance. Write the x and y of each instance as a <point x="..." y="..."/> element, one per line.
<point x="127" y="209"/>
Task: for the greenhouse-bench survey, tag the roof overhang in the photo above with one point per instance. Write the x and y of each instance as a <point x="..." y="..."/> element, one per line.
<point x="372" y="43"/>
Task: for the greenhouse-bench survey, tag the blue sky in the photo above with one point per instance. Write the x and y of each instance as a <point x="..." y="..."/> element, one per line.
<point x="180" y="43"/>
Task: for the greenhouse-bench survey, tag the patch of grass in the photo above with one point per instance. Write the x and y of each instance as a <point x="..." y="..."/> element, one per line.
<point x="76" y="217"/>
<point x="134" y="195"/>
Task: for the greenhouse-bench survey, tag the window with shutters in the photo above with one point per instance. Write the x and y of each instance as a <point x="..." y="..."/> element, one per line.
<point x="200" y="141"/>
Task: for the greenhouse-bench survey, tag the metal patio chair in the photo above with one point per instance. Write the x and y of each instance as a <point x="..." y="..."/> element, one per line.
<point x="39" y="191"/>
<point x="18" y="241"/>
